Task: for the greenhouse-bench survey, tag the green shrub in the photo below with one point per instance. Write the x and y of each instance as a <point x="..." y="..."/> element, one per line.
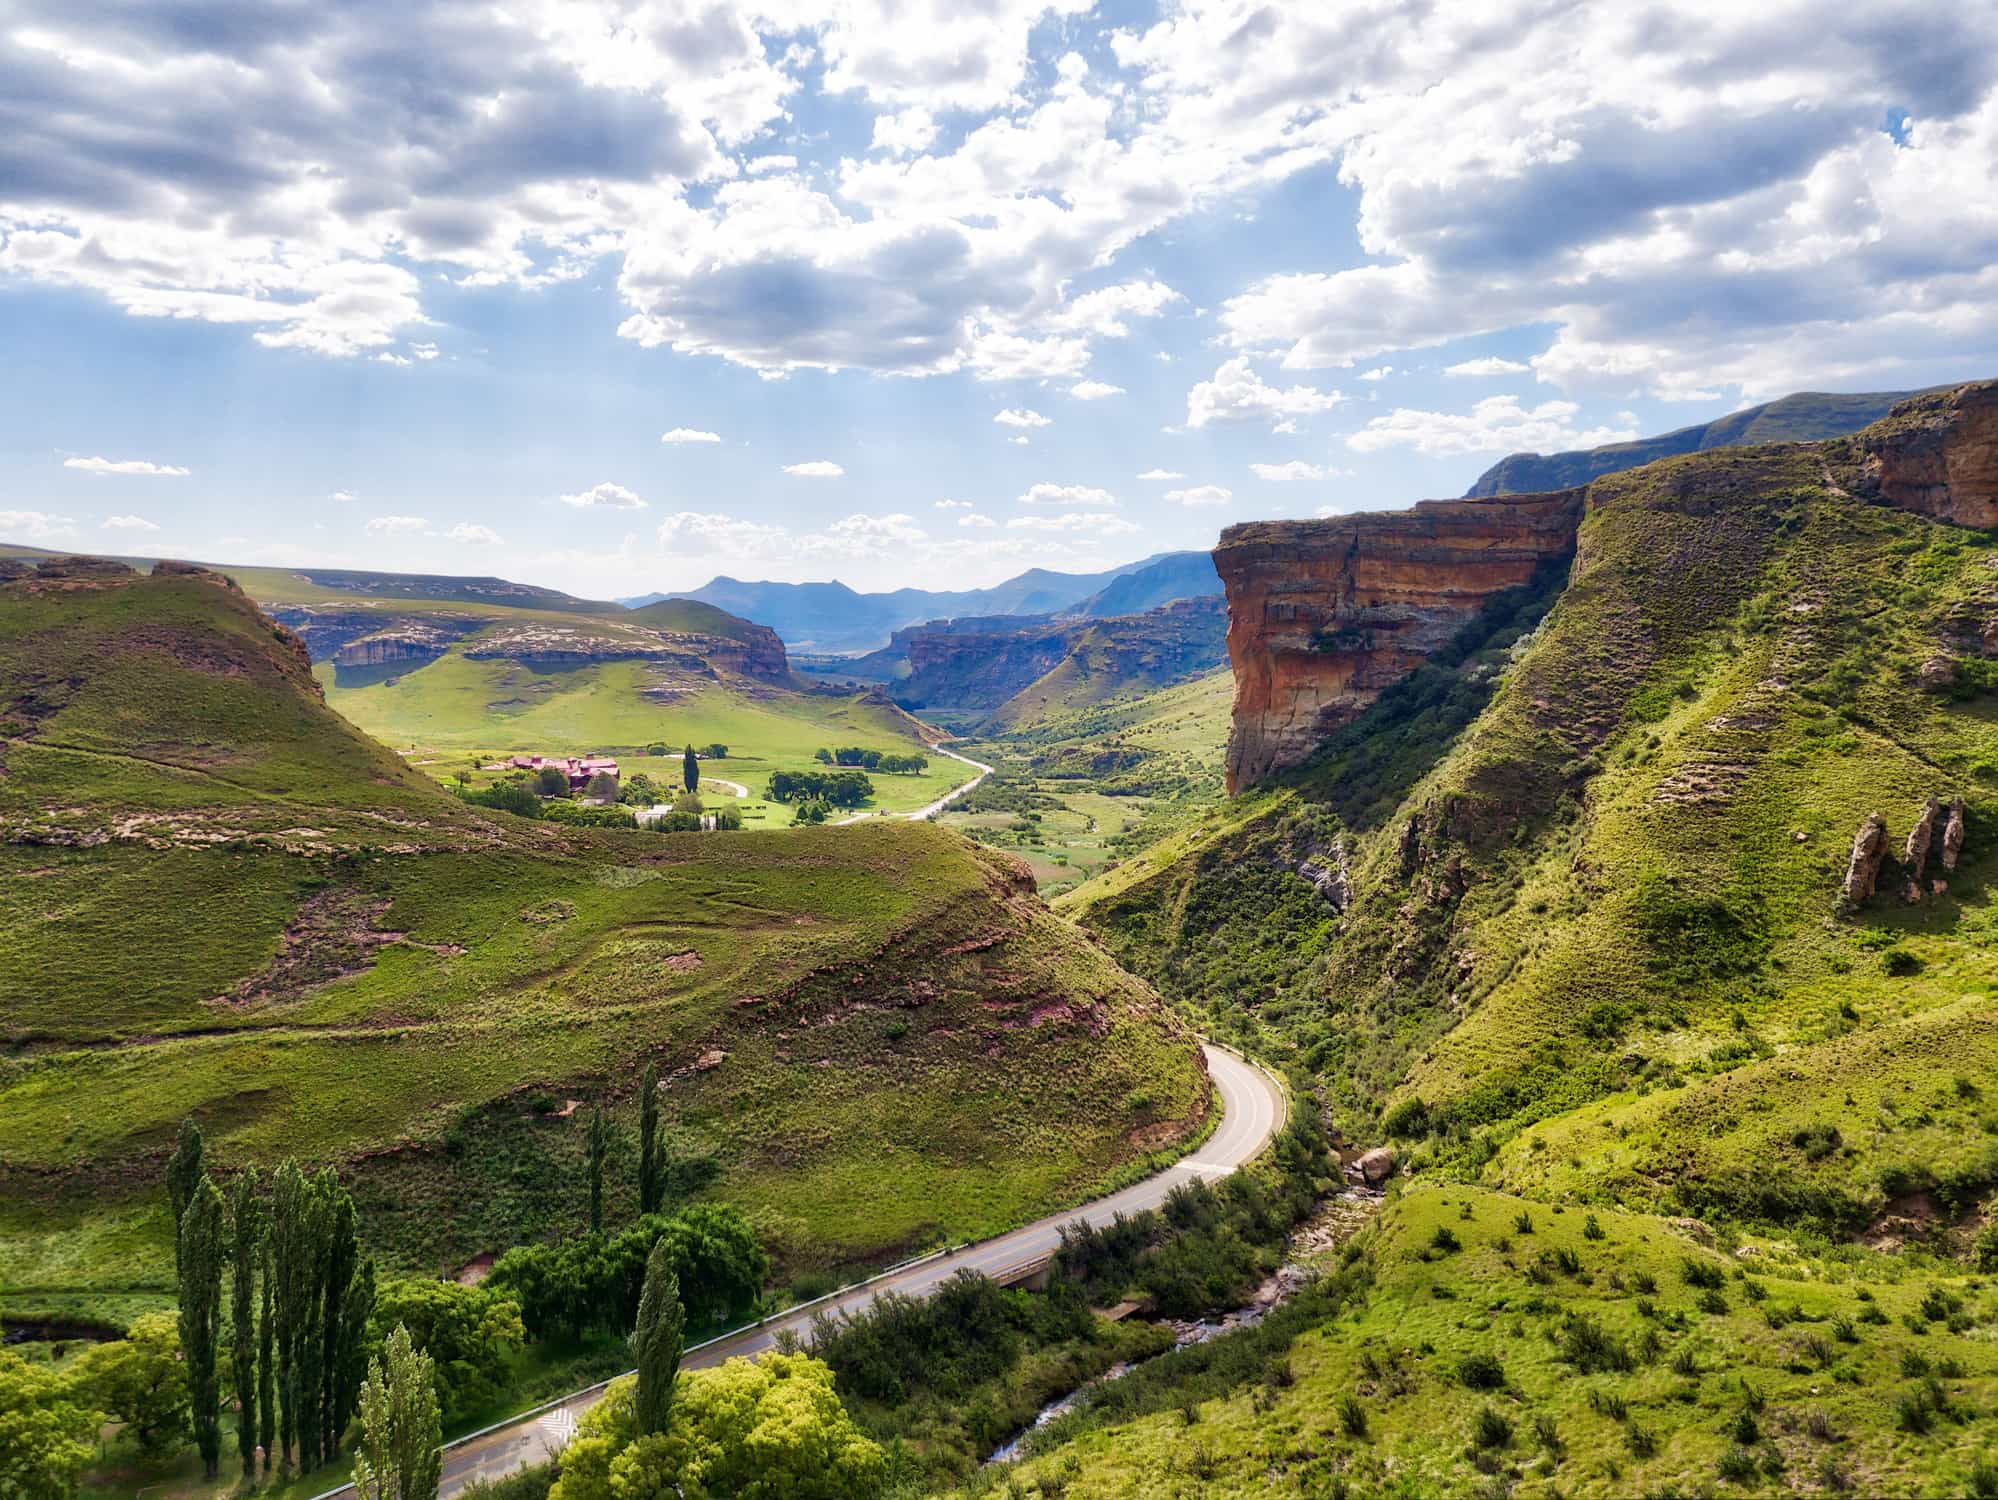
<point x="1587" y="1346"/>
<point x="1445" y="1239"/>
<point x="1640" y="1440"/>
<point x="1701" y="1273"/>
<point x="1738" y="1466"/>
<point x="1352" y="1417"/>
<point x="1493" y="1429"/>
<point x="1481" y="1372"/>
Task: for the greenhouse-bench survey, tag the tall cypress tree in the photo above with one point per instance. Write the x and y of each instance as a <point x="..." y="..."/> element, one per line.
<point x="690" y="770"/>
<point x="248" y="1250"/>
<point x="598" y="1142"/>
<point x="202" y="1247"/>
<point x="267" y="1363"/>
<point x="183" y="1176"/>
<point x="656" y="1341"/>
<point x="650" y="1169"/>
<point x="357" y="1306"/>
<point x="291" y="1252"/>
<point x="317" y="1243"/>
<point x="342" y="1259"/>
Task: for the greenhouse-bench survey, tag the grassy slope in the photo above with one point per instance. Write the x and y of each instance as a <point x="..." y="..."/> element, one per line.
<point x="1398" y="1352"/>
<point x="365" y="970"/>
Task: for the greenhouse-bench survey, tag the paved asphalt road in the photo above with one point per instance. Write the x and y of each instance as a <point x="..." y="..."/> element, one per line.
<point x="1252" y="1111"/>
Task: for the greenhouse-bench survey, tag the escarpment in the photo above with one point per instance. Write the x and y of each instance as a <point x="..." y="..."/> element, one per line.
<point x="1324" y="615"/>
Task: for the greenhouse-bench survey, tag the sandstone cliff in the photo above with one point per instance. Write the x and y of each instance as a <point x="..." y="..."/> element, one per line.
<point x="1323" y="615"/>
<point x="1937" y="455"/>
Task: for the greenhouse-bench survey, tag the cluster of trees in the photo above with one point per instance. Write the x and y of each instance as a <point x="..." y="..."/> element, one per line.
<point x="1207" y="1246"/>
<point x="593" y="1283"/>
<point x="835" y="788"/>
<point x="872" y="760"/>
<point x="468" y="1333"/>
<point x="715" y="751"/>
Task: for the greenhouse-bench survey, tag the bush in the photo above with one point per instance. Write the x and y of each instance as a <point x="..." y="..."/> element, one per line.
<point x="1492" y="1430"/>
<point x="1911" y="1413"/>
<point x="1352" y="1417"/>
<point x="1738" y="1466"/>
<point x="1701" y="1273"/>
<point x="470" y="1333"/>
<point x="1591" y="1350"/>
<point x="1640" y="1440"/>
<point x="507" y="796"/>
<point x="1445" y="1239"/>
<point x="1481" y="1372"/>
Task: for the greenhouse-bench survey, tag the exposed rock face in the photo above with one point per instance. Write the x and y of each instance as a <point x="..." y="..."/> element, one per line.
<point x="760" y="656"/>
<point x="84" y="567"/>
<point x="1915" y="853"/>
<point x="1952" y="839"/>
<point x="410" y="642"/>
<point x="1937" y="455"/>
<point x="1330" y="876"/>
<point x="12" y="568"/>
<point x="1862" y="869"/>
<point x="1324" y="615"/>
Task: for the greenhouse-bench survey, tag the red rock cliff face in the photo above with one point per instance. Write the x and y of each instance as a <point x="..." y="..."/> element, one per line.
<point x="1937" y="455"/>
<point x="1323" y="615"/>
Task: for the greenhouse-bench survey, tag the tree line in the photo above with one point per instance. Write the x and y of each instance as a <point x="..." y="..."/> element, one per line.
<point x="872" y="760"/>
<point x="843" y="789"/>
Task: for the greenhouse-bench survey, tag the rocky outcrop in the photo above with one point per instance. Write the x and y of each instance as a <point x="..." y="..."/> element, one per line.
<point x="1862" y="868"/>
<point x="1329" y="875"/>
<point x="1324" y="615"/>
<point x="1915" y="853"/>
<point x="406" y="643"/>
<point x="1937" y="455"/>
<point x="1952" y="839"/>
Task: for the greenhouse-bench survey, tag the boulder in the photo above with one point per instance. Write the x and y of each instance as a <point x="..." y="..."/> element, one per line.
<point x="1862" y="869"/>
<point x="1377" y="1166"/>
<point x="1915" y="853"/>
<point x="1952" y="836"/>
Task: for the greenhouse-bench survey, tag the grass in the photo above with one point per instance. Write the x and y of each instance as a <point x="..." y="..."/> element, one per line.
<point x="875" y="1039"/>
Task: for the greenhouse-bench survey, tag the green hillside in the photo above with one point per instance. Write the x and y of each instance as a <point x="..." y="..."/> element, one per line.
<point x="1560" y="918"/>
<point x="221" y="900"/>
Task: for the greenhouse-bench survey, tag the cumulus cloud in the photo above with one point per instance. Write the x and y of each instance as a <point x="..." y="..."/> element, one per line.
<point x="953" y="505"/>
<point x="1094" y="390"/>
<point x="1107" y="311"/>
<point x="1235" y="393"/>
<point x="396" y="525"/>
<point x="471" y="531"/>
<point x="1297" y="468"/>
<point x="34" y="524"/>
<point x="1067" y="494"/>
<point x="906" y="133"/>
<point x="126" y="466"/>
<point x="689" y="435"/>
<point x="1378" y="372"/>
<point x="1491" y="364"/>
<point x="707" y="533"/>
<point x="1162" y="474"/>
<point x="817" y="468"/>
<point x="976" y="520"/>
<point x="341" y="495"/>
<point x="762" y="166"/>
<point x="1022" y="417"/>
<point x="604" y="496"/>
<point x="128" y="523"/>
<point x="1497" y="424"/>
<point x="1201" y="494"/>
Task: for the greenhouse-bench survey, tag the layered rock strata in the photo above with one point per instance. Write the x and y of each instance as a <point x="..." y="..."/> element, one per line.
<point x="1324" y="615"/>
<point x="1937" y="455"/>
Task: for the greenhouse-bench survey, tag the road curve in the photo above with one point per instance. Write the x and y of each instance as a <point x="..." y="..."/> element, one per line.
<point x="1252" y="1110"/>
<point x="930" y="810"/>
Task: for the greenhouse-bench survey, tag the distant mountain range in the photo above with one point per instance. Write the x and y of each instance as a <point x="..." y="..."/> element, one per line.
<point x="1806" y="417"/>
<point x="834" y="619"/>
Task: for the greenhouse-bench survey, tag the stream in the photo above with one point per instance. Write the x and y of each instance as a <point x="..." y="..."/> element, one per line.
<point x="1341" y="1216"/>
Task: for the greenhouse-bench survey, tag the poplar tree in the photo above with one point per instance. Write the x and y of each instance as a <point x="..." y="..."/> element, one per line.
<point x="357" y="1306"/>
<point x="267" y="1363"/>
<point x="690" y="770"/>
<point x="316" y="1242"/>
<point x="183" y="1175"/>
<point x="656" y="1341"/>
<point x="290" y="1250"/>
<point x="249" y="1247"/>
<point x="398" y="1457"/>
<point x="201" y="1249"/>
<point x="650" y="1168"/>
<point x="598" y="1143"/>
<point x="343" y="1256"/>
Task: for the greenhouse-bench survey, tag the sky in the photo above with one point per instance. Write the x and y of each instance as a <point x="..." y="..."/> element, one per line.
<point x="614" y="297"/>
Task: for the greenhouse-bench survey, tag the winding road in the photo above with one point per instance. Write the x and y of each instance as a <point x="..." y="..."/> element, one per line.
<point x="930" y="810"/>
<point x="1252" y="1110"/>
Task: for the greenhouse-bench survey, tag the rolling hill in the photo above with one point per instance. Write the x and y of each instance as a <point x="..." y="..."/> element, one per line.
<point x="220" y="899"/>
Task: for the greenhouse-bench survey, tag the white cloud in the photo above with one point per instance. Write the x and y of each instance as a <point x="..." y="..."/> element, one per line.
<point x="1297" y="468"/>
<point x="976" y="520"/>
<point x="1497" y="424"/>
<point x="953" y="505"/>
<point x="469" y="531"/>
<point x="34" y="524"/>
<point x="1022" y="417"/>
<point x="1491" y="364"/>
<point x="424" y="351"/>
<point x="1235" y="393"/>
<point x="1094" y="390"/>
<point x="387" y="358"/>
<point x="818" y="468"/>
<point x="1018" y="442"/>
<point x="128" y="523"/>
<point x="689" y="435"/>
<point x="1095" y="522"/>
<point x="396" y="525"/>
<point x="1162" y="474"/>
<point x="604" y="496"/>
<point x="1067" y="494"/>
<point x="341" y="495"/>
<point x="906" y="133"/>
<point x="763" y="166"/>
<point x="706" y="534"/>
<point x="1379" y="372"/>
<point x="1106" y="312"/>
<point x="126" y="466"/>
<point x="1201" y="494"/>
